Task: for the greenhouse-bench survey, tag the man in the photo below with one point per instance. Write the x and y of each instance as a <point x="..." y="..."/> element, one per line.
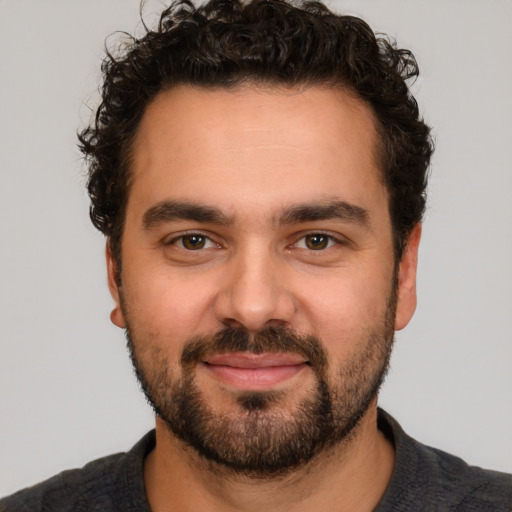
<point x="260" y="172"/>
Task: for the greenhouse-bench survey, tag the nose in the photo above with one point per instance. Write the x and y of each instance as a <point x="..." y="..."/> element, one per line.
<point x="254" y="292"/>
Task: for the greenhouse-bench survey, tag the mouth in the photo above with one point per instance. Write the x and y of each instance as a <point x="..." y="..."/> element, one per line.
<point x="246" y="371"/>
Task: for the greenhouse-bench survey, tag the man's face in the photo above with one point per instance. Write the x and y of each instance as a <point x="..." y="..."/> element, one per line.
<point x="258" y="278"/>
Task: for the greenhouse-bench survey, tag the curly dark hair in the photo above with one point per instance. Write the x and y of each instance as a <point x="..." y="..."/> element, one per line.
<point x="228" y="42"/>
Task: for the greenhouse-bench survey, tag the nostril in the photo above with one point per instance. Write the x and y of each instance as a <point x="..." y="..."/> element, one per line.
<point x="276" y="322"/>
<point x="232" y="322"/>
<point x="253" y="300"/>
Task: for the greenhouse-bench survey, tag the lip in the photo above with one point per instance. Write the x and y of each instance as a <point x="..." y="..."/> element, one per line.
<point x="254" y="372"/>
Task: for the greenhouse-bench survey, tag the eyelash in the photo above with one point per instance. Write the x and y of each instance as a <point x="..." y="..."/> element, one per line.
<point x="175" y="241"/>
<point x="331" y="241"/>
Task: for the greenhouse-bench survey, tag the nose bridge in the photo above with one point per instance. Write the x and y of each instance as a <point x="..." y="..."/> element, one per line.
<point x="254" y="293"/>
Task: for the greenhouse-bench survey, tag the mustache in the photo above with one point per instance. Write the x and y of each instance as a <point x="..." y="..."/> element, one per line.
<point x="270" y="339"/>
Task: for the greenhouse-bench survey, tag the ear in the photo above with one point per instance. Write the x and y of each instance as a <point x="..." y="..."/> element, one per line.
<point x="116" y="316"/>
<point x="406" y="304"/>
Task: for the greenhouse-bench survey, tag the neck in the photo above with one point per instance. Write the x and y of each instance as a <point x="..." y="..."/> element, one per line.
<point x="349" y="477"/>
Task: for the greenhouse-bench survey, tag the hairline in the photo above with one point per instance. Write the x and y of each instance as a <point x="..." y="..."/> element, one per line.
<point x="127" y="150"/>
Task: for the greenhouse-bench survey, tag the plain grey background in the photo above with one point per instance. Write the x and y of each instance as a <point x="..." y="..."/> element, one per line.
<point x="67" y="393"/>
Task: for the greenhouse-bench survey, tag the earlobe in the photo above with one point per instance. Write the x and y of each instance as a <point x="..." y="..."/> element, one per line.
<point x="116" y="316"/>
<point x="406" y="304"/>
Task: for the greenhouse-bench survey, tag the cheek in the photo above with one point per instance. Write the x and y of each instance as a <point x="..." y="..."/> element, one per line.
<point x="344" y="310"/>
<point x="167" y="306"/>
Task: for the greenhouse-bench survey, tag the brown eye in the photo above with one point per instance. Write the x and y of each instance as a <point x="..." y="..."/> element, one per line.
<point x="193" y="242"/>
<point x="317" y="241"/>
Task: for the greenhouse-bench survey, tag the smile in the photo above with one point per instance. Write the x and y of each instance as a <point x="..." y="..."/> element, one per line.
<point x="254" y="372"/>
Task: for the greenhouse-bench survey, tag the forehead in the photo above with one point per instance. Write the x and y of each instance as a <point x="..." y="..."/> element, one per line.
<point x="267" y="146"/>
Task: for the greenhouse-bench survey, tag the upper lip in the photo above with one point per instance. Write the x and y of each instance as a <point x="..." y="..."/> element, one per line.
<point x="251" y="360"/>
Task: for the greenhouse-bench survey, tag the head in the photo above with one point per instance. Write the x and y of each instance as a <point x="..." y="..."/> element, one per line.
<point x="259" y="170"/>
<point x="228" y="43"/>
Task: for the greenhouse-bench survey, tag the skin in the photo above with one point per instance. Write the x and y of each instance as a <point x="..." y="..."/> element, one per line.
<point x="253" y="152"/>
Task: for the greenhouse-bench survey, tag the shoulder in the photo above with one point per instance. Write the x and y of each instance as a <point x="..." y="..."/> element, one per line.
<point x="464" y="487"/>
<point x="69" y="490"/>
<point x="431" y="479"/>
<point x="114" y="482"/>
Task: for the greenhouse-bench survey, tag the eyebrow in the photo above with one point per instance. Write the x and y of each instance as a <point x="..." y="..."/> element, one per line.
<point x="168" y="211"/>
<point x="340" y="210"/>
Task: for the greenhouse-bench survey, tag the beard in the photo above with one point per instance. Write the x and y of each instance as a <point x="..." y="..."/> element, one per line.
<point x="264" y="436"/>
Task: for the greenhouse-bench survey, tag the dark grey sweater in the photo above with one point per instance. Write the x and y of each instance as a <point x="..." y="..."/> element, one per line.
<point x="424" y="479"/>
